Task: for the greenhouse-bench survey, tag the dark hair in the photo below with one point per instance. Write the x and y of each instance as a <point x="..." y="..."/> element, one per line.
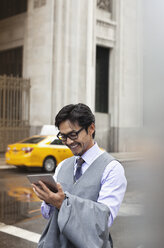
<point x="79" y="113"/>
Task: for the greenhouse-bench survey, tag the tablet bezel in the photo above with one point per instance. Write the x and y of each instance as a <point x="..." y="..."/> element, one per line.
<point x="47" y="179"/>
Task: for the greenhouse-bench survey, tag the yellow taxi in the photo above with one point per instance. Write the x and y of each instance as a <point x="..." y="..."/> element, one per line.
<point x="44" y="151"/>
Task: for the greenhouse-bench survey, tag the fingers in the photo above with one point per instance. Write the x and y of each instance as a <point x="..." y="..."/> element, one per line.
<point x="59" y="187"/>
<point x="44" y="187"/>
<point x="34" y="190"/>
<point x="39" y="192"/>
<point x="48" y="196"/>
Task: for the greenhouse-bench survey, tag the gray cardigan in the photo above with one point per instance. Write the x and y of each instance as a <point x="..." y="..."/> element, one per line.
<point x="81" y="222"/>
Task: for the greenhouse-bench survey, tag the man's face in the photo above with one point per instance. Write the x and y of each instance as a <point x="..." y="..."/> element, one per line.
<point x="84" y="140"/>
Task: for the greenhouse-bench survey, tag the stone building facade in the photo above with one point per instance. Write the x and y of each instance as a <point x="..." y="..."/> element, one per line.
<point x="86" y="51"/>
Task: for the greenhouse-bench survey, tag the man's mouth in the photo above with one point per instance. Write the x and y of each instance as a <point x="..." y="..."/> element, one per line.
<point x="73" y="146"/>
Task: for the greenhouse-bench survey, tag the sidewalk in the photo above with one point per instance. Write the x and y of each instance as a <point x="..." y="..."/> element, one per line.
<point x="3" y="165"/>
<point x="121" y="156"/>
<point x="2" y="159"/>
<point x="127" y="156"/>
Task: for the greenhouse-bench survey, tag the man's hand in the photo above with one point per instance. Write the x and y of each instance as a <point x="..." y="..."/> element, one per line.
<point x="48" y="196"/>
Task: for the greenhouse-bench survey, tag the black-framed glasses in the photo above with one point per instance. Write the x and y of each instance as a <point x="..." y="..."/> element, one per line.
<point x="72" y="135"/>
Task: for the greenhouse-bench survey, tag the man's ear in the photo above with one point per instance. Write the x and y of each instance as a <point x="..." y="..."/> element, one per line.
<point x="91" y="129"/>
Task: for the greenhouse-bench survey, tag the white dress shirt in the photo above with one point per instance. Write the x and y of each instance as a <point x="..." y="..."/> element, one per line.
<point x="113" y="183"/>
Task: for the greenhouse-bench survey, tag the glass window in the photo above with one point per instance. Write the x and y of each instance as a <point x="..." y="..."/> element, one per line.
<point x="11" y="96"/>
<point x="102" y="79"/>
<point x="56" y="142"/>
<point x="10" y="8"/>
<point x="11" y="62"/>
<point x="34" y="140"/>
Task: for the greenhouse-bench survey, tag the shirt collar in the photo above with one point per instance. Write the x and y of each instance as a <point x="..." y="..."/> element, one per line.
<point x="91" y="154"/>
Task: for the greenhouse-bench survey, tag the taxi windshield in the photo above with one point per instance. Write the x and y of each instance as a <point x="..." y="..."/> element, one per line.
<point x="33" y="140"/>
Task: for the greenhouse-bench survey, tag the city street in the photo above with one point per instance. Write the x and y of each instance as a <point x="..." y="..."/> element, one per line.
<point x="82" y="71"/>
<point x="21" y="222"/>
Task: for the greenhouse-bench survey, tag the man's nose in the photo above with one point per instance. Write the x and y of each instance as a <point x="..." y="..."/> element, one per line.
<point x="69" y="141"/>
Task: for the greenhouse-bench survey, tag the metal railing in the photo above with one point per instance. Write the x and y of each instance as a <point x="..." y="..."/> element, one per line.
<point x="14" y="109"/>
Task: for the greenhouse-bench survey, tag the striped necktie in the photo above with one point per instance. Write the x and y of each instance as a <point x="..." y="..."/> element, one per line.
<point x="78" y="173"/>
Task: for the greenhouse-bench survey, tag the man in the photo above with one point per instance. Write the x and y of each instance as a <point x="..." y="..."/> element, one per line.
<point x="91" y="187"/>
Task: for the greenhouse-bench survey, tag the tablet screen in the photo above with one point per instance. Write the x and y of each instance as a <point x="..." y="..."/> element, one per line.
<point x="47" y="179"/>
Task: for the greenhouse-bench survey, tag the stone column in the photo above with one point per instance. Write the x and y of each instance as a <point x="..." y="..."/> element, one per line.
<point x="74" y="51"/>
<point x="127" y="112"/>
<point x="38" y="44"/>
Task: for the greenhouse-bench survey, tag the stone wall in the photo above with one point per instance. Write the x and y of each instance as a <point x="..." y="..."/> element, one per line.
<point x="126" y="104"/>
<point x="38" y="56"/>
<point x="12" y="32"/>
<point x="59" y="39"/>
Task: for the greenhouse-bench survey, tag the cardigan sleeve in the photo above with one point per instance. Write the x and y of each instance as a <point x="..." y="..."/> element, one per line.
<point x="84" y="222"/>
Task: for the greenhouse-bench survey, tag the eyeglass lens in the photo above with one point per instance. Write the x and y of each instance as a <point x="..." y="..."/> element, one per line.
<point x="73" y="135"/>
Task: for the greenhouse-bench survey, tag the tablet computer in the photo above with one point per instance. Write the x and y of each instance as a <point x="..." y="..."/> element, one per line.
<point x="47" y="179"/>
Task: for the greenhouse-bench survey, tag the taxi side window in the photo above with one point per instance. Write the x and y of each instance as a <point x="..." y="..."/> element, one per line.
<point x="56" y="142"/>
